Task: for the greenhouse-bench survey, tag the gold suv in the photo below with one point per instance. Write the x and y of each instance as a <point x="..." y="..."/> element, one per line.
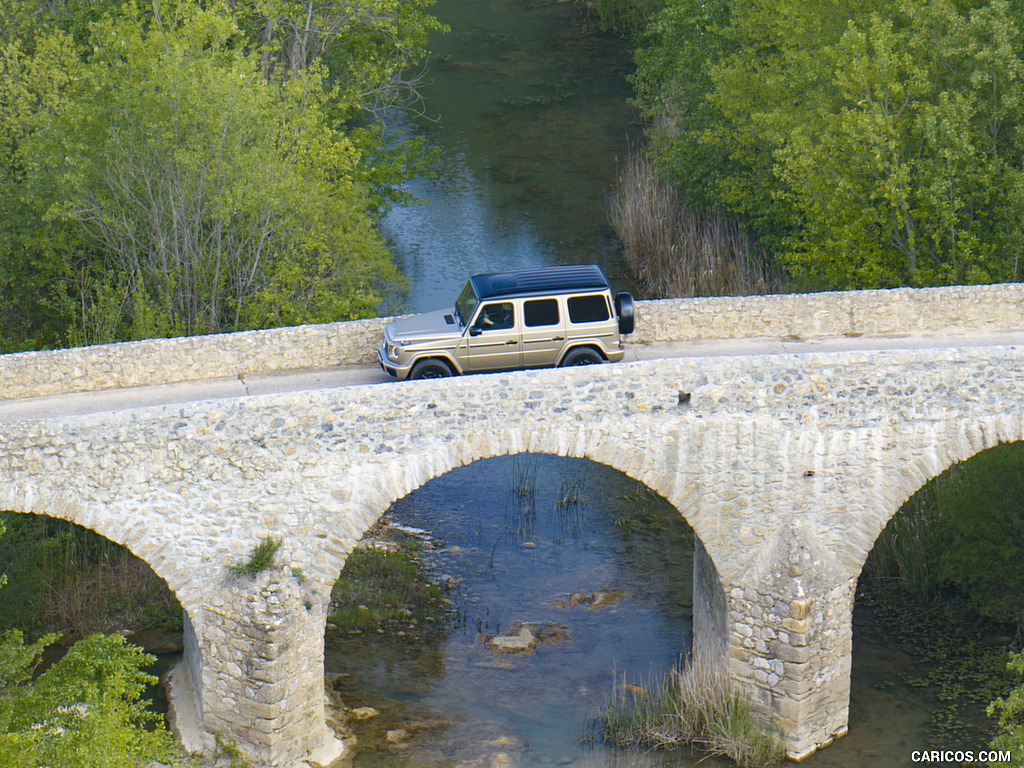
<point x="510" y="320"/>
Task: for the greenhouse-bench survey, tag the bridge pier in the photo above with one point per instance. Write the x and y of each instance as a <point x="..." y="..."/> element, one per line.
<point x="252" y="674"/>
<point x="790" y="640"/>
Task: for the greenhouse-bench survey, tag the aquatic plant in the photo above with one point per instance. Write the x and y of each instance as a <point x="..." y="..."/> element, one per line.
<point x="570" y="492"/>
<point x="568" y="505"/>
<point x="524" y="477"/>
<point x="695" y="706"/>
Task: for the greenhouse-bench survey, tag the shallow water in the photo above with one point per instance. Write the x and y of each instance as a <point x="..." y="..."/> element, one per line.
<point x="514" y="556"/>
<point x="528" y="108"/>
<point x="464" y="705"/>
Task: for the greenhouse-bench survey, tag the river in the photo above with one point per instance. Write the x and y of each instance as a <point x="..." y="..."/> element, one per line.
<point x="519" y="557"/>
<point x="528" y="107"/>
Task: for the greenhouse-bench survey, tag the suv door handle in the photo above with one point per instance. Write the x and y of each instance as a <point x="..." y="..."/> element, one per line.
<point x="559" y="338"/>
<point x="511" y="341"/>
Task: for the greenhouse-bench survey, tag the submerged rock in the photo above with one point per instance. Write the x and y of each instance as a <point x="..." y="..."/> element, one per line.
<point x="521" y="641"/>
<point x="526" y="636"/>
<point x="364" y="713"/>
<point x="601" y="598"/>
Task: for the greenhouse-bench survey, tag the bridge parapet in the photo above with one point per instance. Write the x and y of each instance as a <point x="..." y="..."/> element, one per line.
<point x="786" y="465"/>
<point x="897" y="312"/>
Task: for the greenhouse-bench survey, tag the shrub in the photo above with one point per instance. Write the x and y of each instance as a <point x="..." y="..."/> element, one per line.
<point x="1010" y="711"/>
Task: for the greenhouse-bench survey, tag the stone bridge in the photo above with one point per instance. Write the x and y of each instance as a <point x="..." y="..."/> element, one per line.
<point x="787" y="466"/>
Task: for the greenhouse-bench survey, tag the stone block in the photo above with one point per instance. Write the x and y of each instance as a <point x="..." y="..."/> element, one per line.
<point x="788" y="653"/>
<point x="799" y="609"/>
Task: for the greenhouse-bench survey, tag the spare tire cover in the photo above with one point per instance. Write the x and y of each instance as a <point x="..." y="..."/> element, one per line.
<point x="625" y="310"/>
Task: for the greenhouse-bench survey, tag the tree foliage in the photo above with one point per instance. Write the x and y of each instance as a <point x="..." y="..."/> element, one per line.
<point x="873" y="144"/>
<point x="181" y="167"/>
<point x="962" y="534"/>
<point x="85" y="711"/>
<point x="82" y="712"/>
<point x="1009" y="710"/>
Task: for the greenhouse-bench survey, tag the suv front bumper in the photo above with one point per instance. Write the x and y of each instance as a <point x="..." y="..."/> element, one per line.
<point x="390" y="367"/>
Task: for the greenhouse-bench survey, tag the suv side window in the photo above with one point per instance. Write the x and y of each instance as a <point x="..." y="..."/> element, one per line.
<point x="538" y="312"/>
<point x="588" y="309"/>
<point x="497" y="317"/>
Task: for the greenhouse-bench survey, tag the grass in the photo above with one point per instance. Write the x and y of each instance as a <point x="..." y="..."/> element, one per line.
<point x="673" y="250"/>
<point x="260" y="558"/>
<point x="382" y="587"/>
<point x="695" y="706"/>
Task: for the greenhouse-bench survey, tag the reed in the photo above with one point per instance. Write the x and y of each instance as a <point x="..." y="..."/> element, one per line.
<point x="524" y="477"/>
<point x="695" y="706"/>
<point x="69" y="579"/>
<point x="673" y="250"/>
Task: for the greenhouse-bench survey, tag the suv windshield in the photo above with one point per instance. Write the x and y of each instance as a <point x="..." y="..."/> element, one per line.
<point x="465" y="304"/>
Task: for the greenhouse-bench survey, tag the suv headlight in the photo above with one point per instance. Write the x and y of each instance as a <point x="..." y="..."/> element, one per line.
<point x="391" y="350"/>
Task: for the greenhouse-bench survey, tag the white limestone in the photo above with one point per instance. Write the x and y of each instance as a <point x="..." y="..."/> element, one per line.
<point x="787" y="467"/>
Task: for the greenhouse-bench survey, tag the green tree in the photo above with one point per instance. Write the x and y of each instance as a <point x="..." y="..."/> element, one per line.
<point x="37" y="72"/>
<point x="85" y="711"/>
<point x="673" y="82"/>
<point x="873" y="144"/>
<point x="962" y="533"/>
<point x="1010" y="712"/>
<point x="165" y="173"/>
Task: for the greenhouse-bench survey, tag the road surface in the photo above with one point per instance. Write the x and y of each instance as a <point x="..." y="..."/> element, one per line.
<point x="77" y="403"/>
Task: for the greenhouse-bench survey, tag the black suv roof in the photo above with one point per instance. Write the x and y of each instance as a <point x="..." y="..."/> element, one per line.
<point x="578" y="277"/>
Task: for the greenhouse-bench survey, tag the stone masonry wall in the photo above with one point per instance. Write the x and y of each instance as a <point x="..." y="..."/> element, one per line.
<point x="787" y="467"/>
<point x="263" y="647"/>
<point x="158" y="361"/>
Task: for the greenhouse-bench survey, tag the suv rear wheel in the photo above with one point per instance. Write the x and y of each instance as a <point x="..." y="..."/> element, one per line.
<point x="582" y="356"/>
<point x="430" y="369"/>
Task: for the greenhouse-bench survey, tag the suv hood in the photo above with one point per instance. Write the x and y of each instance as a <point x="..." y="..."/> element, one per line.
<point x="430" y="326"/>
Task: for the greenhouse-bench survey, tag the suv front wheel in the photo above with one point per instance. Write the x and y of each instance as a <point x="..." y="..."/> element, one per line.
<point x="582" y="356"/>
<point x="430" y="369"/>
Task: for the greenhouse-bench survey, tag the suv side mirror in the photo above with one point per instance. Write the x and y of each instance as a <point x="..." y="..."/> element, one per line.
<point x="475" y="330"/>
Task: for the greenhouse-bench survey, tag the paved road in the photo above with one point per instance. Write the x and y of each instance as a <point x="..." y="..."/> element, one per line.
<point x="56" y="406"/>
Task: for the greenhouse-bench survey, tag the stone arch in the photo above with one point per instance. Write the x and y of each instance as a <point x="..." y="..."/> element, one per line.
<point x="381" y="483"/>
<point x="90" y="516"/>
<point x="930" y="453"/>
<point x="132" y="538"/>
<point x="395" y="480"/>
